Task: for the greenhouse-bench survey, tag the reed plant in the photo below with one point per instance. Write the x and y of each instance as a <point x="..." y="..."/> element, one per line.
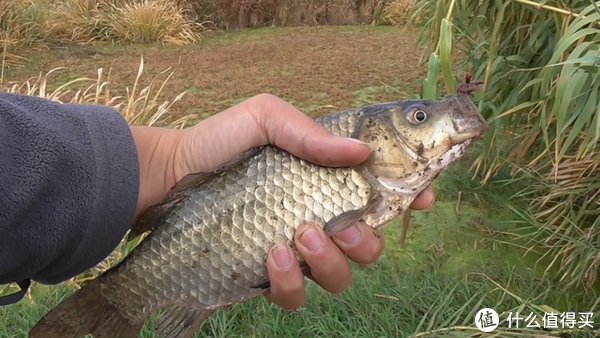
<point x="540" y="63"/>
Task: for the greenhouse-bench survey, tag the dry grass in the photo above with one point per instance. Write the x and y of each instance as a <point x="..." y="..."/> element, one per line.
<point x="223" y="69"/>
<point x="141" y="106"/>
<point x="403" y="12"/>
<point x="77" y="20"/>
<point x="567" y="211"/>
<point x="27" y="25"/>
<point x="22" y="26"/>
<point x="147" y="21"/>
<point x="229" y="14"/>
<point x="33" y="24"/>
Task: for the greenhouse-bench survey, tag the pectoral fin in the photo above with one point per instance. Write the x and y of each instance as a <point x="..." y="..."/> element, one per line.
<point x="349" y="218"/>
<point x="405" y="225"/>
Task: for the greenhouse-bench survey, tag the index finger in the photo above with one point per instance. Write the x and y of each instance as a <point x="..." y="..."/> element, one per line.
<point x="424" y="200"/>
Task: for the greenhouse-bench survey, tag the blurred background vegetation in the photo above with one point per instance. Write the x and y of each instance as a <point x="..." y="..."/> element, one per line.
<point x="537" y="169"/>
<point x="35" y="24"/>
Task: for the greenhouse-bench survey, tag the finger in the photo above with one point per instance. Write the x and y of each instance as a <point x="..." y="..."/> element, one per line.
<point x="328" y="264"/>
<point x="266" y="119"/>
<point x="360" y="243"/>
<point x="286" y="278"/>
<point x="288" y="128"/>
<point x="425" y="199"/>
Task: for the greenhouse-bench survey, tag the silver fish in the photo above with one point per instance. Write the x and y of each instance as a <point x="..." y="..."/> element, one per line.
<point x="210" y="237"/>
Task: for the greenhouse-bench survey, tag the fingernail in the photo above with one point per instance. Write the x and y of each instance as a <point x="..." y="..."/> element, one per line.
<point x="350" y="236"/>
<point x="355" y="140"/>
<point x="311" y="239"/>
<point x="282" y="256"/>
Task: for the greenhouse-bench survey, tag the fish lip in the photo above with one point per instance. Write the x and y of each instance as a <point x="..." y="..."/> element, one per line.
<point x="470" y="135"/>
<point x="471" y="129"/>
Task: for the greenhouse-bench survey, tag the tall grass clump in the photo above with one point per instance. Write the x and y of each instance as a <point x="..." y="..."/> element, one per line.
<point x="541" y="67"/>
<point x="30" y="25"/>
<point x="22" y="29"/>
<point x="78" y="20"/>
<point x="403" y="12"/>
<point x="35" y="22"/>
<point x="145" y="21"/>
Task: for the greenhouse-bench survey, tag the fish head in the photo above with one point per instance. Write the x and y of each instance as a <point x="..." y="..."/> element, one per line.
<point x="412" y="142"/>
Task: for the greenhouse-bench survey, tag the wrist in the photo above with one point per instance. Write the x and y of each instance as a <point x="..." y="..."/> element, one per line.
<point x="158" y="157"/>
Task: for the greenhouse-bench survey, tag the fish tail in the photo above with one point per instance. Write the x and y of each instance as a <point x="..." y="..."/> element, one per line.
<point x="87" y="311"/>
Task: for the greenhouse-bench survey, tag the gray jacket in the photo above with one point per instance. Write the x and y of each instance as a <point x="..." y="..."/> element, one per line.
<point x="69" y="182"/>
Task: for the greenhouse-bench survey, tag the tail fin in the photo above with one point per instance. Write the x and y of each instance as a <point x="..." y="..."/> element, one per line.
<point x="85" y="312"/>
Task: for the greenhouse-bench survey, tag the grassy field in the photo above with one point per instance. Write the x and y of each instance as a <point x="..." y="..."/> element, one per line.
<point x="465" y="254"/>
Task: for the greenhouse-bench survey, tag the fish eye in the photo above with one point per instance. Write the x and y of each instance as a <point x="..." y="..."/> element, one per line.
<point x="419" y="116"/>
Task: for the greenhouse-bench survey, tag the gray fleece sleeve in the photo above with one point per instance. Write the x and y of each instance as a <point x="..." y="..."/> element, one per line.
<point x="69" y="181"/>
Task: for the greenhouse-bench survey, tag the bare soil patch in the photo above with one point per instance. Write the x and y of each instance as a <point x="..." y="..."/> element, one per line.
<point x="320" y="69"/>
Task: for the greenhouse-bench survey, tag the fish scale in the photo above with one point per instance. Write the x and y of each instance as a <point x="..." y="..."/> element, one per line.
<point x="210" y="237"/>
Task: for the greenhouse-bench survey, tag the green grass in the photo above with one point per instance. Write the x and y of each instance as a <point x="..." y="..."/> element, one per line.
<point x="368" y="95"/>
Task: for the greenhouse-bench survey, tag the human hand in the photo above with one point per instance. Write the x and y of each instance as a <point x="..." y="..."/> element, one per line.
<point x="166" y="156"/>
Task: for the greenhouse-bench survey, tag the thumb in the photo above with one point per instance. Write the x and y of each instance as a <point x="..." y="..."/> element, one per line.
<point x="291" y="130"/>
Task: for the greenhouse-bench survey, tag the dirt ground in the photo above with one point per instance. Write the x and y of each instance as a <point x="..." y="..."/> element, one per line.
<point x="320" y="69"/>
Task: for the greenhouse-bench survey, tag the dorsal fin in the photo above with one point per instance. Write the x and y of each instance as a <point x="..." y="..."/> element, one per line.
<point x="155" y="215"/>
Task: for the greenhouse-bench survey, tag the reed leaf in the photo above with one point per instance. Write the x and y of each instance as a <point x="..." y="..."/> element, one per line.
<point x="445" y="48"/>
<point x="429" y="90"/>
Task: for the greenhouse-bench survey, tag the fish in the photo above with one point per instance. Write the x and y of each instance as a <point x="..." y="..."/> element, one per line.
<point x="207" y="241"/>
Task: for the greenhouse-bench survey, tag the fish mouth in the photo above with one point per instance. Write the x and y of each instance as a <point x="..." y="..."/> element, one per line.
<point x="466" y="137"/>
<point x="467" y="119"/>
<point x="469" y="128"/>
